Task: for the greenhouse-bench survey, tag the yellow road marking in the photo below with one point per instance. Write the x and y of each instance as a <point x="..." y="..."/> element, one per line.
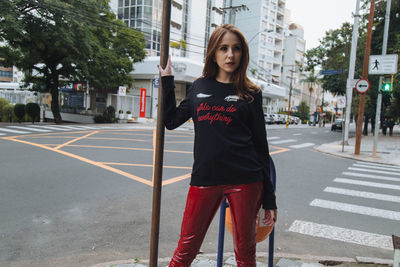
<point x="131" y="148"/>
<point x="280" y="150"/>
<point x="176" y="179"/>
<point x="144" y="165"/>
<point x="94" y="138"/>
<point x="103" y="166"/>
<point x="76" y="139"/>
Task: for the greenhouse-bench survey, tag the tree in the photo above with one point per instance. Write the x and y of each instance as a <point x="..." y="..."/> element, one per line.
<point x="33" y="110"/>
<point x="62" y="41"/>
<point x="303" y="111"/>
<point x="19" y="111"/>
<point x="311" y="79"/>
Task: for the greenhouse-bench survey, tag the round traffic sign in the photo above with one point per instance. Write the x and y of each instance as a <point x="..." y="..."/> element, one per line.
<point x="362" y="85"/>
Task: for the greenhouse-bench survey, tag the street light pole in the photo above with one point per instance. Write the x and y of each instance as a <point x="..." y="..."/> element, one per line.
<point x="290" y="96"/>
<point x="379" y="101"/>
<point x="349" y="87"/>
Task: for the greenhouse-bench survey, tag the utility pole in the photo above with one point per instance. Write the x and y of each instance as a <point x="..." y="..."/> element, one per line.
<point x="349" y="87"/>
<point x="232" y="11"/>
<point x="159" y="149"/>
<point x="361" y="105"/>
<point x="290" y="96"/>
<point x="379" y="100"/>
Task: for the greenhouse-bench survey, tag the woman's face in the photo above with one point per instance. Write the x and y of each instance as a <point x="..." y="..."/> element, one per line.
<point x="228" y="55"/>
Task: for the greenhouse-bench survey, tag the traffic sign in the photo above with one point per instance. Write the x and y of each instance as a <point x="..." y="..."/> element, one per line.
<point x="383" y="64"/>
<point x="122" y="90"/>
<point x="341" y="102"/>
<point x="362" y="86"/>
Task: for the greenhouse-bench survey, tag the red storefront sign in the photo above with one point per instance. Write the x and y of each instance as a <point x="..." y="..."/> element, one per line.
<point x="142" y="103"/>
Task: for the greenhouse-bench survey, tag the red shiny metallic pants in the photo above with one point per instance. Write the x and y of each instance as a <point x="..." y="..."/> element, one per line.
<point x="202" y="204"/>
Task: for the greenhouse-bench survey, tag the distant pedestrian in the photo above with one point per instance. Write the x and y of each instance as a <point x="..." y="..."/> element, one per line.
<point x="384" y="126"/>
<point x="391" y="125"/>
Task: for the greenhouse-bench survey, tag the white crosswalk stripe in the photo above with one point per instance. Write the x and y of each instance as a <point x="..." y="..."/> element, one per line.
<point x="67" y="127"/>
<point x="2" y="134"/>
<point x="273" y="138"/>
<point x="342" y="234"/>
<point x="371" y="176"/>
<point x="376" y="167"/>
<point x="49" y="127"/>
<point x="374" y="171"/>
<point x="13" y="131"/>
<point x="356" y="178"/>
<point x="302" y="145"/>
<point x="297" y="134"/>
<point x="387" y="214"/>
<point x="377" y="164"/>
<point x="283" y="141"/>
<point x="89" y="127"/>
<point x="30" y="129"/>
<point x="362" y="194"/>
<point x="364" y="183"/>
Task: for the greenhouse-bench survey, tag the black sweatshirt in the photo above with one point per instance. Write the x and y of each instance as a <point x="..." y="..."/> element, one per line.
<point x="230" y="145"/>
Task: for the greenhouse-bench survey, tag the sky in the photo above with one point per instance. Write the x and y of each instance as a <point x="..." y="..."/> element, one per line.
<point x="319" y="16"/>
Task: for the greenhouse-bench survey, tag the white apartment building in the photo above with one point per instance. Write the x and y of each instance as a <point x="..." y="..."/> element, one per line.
<point x="263" y="26"/>
<point x="192" y="23"/>
<point x="293" y="56"/>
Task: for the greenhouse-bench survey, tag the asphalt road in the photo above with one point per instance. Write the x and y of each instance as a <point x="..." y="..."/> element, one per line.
<point x="80" y="196"/>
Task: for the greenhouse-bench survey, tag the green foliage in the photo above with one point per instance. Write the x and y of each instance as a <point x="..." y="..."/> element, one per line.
<point x="3" y="103"/>
<point x="303" y="111"/>
<point x="19" y="111"/>
<point x="59" y="41"/>
<point x="109" y="114"/>
<point x="6" y="112"/>
<point x="99" y="119"/>
<point x="33" y="110"/>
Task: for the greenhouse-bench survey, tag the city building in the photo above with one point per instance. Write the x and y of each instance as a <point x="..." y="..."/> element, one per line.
<point x="6" y="73"/>
<point x="192" y="23"/>
<point x="293" y="58"/>
<point x="263" y="26"/>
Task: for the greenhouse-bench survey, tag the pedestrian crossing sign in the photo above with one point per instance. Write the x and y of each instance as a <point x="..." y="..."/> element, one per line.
<point x="383" y="64"/>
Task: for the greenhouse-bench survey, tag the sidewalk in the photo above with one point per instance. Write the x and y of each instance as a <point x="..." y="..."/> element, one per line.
<point x="388" y="152"/>
<point x="388" y="148"/>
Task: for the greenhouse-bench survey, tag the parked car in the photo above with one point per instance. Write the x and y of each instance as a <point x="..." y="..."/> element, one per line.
<point x="337" y="125"/>
<point x="268" y="118"/>
<point x="279" y="118"/>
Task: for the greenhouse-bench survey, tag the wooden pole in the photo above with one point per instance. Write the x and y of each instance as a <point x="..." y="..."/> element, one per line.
<point x="159" y="149"/>
<point x="364" y="76"/>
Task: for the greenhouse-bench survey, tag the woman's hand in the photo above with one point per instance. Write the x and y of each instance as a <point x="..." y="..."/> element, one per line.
<point x="270" y="217"/>
<point x="168" y="69"/>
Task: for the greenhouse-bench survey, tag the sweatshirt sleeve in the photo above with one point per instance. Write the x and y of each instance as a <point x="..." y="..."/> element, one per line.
<point x="261" y="145"/>
<point x="174" y="116"/>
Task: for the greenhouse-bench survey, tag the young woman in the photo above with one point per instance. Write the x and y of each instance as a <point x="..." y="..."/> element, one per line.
<point x="230" y="148"/>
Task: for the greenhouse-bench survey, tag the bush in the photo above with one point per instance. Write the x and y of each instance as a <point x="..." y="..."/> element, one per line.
<point x="33" y="110"/>
<point x="109" y="114"/>
<point x="19" y="111"/>
<point x="99" y="119"/>
<point x="7" y="113"/>
<point x="3" y="103"/>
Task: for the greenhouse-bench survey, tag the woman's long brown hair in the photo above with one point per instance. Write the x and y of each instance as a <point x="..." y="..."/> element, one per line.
<point x="241" y="82"/>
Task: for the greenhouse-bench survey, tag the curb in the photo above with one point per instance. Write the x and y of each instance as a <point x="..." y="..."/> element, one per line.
<point x="329" y="260"/>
